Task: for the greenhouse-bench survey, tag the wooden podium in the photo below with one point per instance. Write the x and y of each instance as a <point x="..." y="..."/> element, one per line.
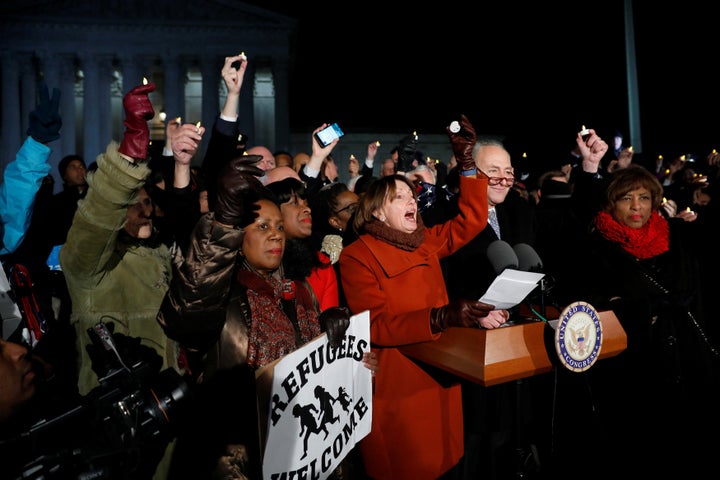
<point x="521" y="350"/>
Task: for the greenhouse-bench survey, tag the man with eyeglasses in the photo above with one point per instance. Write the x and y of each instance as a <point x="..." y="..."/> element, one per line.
<point x="489" y="412"/>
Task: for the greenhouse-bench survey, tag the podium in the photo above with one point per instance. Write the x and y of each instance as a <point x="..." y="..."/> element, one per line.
<point x="520" y="350"/>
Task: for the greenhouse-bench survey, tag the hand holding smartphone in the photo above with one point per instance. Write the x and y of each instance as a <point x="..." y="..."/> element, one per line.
<point x="328" y="134"/>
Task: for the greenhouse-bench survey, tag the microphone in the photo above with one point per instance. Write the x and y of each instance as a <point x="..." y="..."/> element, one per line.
<point x="529" y="261"/>
<point x="502" y="256"/>
<point x="528" y="258"/>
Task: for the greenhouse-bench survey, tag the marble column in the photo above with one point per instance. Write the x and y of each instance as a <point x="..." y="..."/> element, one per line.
<point x="175" y="79"/>
<point x="28" y="90"/>
<point x="211" y="78"/>
<point x="68" y="137"/>
<point x="92" y="144"/>
<point x="131" y="74"/>
<point x="246" y="112"/>
<point x="211" y="75"/>
<point x="50" y="64"/>
<point x="282" y="104"/>
<point x="12" y="137"/>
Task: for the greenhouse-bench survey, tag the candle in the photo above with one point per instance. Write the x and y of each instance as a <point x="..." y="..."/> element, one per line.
<point x="243" y="56"/>
<point x="584" y="133"/>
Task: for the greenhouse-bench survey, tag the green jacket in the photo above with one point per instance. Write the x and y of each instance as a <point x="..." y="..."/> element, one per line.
<point x="110" y="277"/>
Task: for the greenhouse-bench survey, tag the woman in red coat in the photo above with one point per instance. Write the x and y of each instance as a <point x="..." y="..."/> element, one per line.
<point x="393" y="270"/>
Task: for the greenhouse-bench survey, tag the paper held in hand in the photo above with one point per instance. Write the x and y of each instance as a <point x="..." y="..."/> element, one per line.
<point x="510" y="288"/>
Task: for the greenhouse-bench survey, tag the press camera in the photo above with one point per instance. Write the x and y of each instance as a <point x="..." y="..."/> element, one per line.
<point x="119" y="430"/>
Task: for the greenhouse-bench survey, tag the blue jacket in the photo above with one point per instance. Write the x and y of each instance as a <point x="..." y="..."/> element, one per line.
<point x="21" y="181"/>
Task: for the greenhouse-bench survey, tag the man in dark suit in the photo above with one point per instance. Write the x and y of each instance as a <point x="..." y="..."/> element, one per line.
<point x="489" y="412"/>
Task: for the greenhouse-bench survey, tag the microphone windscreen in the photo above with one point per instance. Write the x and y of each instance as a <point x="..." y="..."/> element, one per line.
<point x="528" y="258"/>
<point x="502" y="256"/>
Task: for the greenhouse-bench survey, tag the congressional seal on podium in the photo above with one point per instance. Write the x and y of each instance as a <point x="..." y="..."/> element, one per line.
<point x="578" y="336"/>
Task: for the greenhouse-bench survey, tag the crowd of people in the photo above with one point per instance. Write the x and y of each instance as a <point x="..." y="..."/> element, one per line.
<point x="214" y="268"/>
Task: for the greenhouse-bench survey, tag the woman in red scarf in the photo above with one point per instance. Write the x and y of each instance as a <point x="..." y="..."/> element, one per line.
<point x="642" y="266"/>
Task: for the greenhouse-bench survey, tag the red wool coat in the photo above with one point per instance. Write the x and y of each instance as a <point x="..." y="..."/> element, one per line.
<point x="417" y="428"/>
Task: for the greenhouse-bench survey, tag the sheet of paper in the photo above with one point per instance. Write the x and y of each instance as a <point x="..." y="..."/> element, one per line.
<point x="510" y="288"/>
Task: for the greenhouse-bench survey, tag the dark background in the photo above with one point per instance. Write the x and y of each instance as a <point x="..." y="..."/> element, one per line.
<point x="534" y="72"/>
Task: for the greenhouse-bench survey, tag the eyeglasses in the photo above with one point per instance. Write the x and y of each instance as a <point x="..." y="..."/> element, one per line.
<point x="351" y="208"/>
<point x="492" y="181"/>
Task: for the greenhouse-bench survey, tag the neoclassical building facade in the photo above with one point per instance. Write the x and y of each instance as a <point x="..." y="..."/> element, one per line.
<point x="94" y="52"/>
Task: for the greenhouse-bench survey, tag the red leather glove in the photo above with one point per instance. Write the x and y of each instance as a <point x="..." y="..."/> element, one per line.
<point x="463" y="143"/>
<point x="459" y="313"/>
<point x="237" y="190"/>
<point x="138" y="110"/>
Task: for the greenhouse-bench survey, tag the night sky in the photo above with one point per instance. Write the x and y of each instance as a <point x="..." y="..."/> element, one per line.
<point x="529" y="71"/>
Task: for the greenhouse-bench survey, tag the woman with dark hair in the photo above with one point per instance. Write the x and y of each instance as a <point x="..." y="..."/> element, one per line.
<point x="233" y="307"/>
<point x="333" y="210"/>
<point x="644" y="268"/>
<point x="301" y="261"/>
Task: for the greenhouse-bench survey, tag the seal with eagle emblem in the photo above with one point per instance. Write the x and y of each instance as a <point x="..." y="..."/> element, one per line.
<point x="578" y="336"/>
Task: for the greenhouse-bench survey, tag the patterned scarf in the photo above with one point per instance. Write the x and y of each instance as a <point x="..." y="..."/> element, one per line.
<point x="396" y="238"/>
<point x="645" y="242"/>
<point x="272" y="333"/>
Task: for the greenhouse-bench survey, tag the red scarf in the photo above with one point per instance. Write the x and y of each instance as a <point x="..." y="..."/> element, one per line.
<point x="648" y="241"/>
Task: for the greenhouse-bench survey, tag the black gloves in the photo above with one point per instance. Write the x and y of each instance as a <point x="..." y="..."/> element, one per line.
<point x="463" y="143"/>
<point x="237" y="189"/>
<point x="138" y="110"/>
<point x="334" y="321"/>
<point x="131" y="352"/>
<point x="406" y="153"/>
<point x="45" y="121"/>
<point x="459" y="313"/>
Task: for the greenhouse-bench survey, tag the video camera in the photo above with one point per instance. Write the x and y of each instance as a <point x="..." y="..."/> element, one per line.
<point x="119" y="430"/>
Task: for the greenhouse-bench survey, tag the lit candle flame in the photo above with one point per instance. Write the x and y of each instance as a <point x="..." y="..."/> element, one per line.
<point x="630" y="148"/>
<point x="377" y="143"/>
<point x="524" y="154"/>
<point x="145" y="82"/>
<point x="664" y="200"/>
<point x="714" y="151"/>
<point x="197" y="125"/>
<point x="178" y="120"/>
<point x="352" y="157"/>
<point x="243" y="56"/>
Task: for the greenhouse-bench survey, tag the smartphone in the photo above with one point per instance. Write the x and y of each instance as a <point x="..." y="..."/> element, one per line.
<point x="326" y="136"/>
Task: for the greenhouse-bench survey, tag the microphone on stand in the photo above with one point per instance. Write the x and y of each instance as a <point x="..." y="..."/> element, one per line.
<point x="502" y="256"/>
<point x="529" y="261"/>
<point x="528" y="258"/>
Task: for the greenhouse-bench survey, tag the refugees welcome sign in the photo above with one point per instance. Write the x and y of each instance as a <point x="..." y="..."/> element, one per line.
<point x="318" y="407"/>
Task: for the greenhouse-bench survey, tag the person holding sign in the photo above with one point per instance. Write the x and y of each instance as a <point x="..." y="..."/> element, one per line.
<point x="234" y="311"/>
